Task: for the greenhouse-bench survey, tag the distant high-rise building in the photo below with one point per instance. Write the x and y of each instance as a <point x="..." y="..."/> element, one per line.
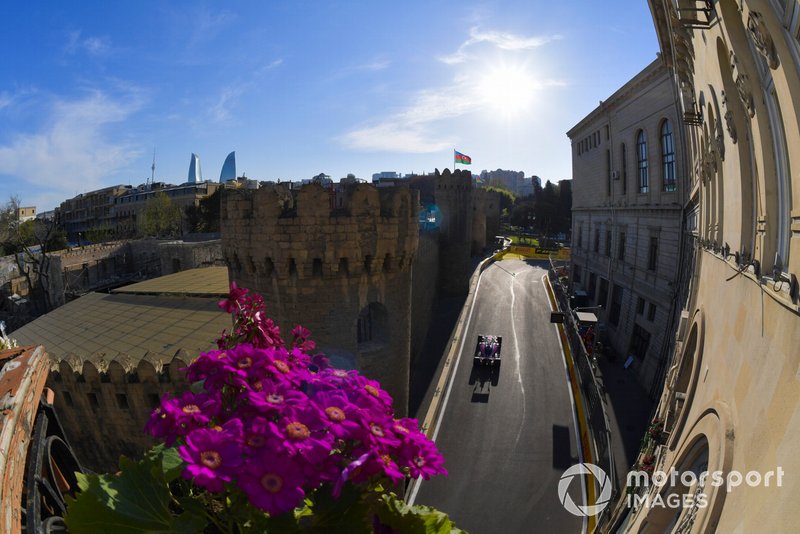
<point x="195" y="175"/>
<point x="228" y="168"/>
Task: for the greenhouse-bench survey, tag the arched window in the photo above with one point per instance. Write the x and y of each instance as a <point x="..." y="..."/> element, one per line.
<point x="372" y="329"/>
<point x="641" y="162"/>
<point x="667" y="157"/>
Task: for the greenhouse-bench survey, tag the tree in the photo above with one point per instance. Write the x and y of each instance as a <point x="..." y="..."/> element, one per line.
<point x="8" y="221"/>
<point x="160" y="217"/>
<point x="99" y="233"/>
<point x="204" y="218"/>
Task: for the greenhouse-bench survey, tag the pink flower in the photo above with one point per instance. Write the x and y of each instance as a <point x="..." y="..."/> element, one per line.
<point x="342" y="417"/>
<point x="273" y="483"/>
<point x="212" y="456"/>
<point x="231" y="303"/>
<point x="419" y="454"/>
<point x="302" y="431"/>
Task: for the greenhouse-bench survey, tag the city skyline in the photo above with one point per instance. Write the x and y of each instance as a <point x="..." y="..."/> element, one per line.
<point x="339" y="88"/>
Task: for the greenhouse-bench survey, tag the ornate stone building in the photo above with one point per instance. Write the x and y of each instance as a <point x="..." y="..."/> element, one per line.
<point x="629" y="181"/>
<point x="731" y="401"/>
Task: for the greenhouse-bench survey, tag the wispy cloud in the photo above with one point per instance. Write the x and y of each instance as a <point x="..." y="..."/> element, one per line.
<point x="501" y="40"/>
<point x="409" y="130"/>
<point x="416" y="128"/>
<point x="378" y="64"/>
<point x="94" y="46"/>
<point x="73" y="152"/>
<point x="229" y="95"/>
<point x="5" y="99"/>
<point x="207" y="25"/>
<point x="221" y="110"/>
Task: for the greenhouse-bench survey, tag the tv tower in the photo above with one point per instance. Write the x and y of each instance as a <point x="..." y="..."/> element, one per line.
<point x="149" y="183"/>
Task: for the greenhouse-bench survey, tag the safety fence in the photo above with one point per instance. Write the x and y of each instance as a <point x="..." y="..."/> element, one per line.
<point x="591" y="389"/>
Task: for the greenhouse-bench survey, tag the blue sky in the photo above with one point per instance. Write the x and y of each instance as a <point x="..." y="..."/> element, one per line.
<point x="89" y="89"/>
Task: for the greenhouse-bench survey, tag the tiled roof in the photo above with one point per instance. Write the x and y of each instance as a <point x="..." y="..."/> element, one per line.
<point x="208" y="281"/>
<point x="161" y="319"/>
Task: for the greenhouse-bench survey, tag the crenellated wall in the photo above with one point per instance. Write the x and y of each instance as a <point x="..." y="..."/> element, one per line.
<point x="104" y="405"/>
<point x="337" y="262"/>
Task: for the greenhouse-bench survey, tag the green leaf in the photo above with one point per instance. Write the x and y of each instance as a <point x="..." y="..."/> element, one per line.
<point x="171" y="461"/>
<point x="347" y="514"/>
<point x="396" y="514"/>
<point x="137" y="501"/>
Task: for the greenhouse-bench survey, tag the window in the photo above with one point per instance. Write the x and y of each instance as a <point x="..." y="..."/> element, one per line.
<point x="608" y="243"/>
<point x="624" y="168"/>
<point x="373" y="326"/>
<point x="621" y="247"/>
<point x="641" y="161"/>
<point x="580" y="236"/>
<point x="616" y="305"/>
<point x="668" y="157"/>
<point x="592" y="283"/>
<point x="597" y="240"/>
<point x="576" y="273"/>
<point x="640" y="342"/>
<point x="652" y="256"/>
<point x="608" y="173"/>
<point x="602" y="298"/>
<point x="639" y="306"/>
<point x="651" y="312"/>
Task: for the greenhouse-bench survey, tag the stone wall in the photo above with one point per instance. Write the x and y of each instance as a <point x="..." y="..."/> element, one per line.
<point x="424" y="289"/>
<point x="339" y="263"/>
<point x="454" y="195"/>
<point x="104" y="405"/>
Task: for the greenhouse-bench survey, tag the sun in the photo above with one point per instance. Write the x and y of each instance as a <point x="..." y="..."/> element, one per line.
<point x="507" y="89"/>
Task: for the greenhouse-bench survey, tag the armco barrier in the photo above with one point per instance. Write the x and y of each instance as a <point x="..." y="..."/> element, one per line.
<point x="592" y="392"/>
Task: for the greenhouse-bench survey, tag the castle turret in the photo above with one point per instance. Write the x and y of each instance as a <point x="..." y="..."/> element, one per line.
<point x="454" y="193"/>
<point x="335" y="261"/>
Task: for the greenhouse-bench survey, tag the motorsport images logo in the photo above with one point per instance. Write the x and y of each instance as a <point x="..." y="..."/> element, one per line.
<point x="575" y="472"/>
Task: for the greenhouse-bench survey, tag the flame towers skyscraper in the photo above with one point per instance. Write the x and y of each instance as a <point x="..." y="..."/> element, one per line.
<point x="195" y="174"/>
<point x="228" y="169"/>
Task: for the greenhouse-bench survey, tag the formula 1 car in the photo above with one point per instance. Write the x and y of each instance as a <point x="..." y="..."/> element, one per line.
<point x="487" y="350"/>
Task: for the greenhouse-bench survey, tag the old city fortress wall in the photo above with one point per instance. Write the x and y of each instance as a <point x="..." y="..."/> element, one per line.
<point x="336" y="262"/>
<point x="352" y="267"/>
<point x="104" y="403"/>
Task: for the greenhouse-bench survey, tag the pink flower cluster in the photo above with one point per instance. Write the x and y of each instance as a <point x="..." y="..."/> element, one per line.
<point x="277" y="423"/>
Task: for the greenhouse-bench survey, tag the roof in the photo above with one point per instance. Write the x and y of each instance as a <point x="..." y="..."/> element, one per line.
<point x="208" y="281"/>
<point x="159" y="316"/>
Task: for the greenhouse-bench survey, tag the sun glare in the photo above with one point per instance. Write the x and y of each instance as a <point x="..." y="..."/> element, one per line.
<point x="508" y="90"/>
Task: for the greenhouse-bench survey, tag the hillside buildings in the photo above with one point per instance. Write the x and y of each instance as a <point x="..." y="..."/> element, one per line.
<point x="629" y="180"/>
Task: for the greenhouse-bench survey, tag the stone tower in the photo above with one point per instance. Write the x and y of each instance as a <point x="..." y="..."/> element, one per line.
<point x="454" y="191"/>
<point x="335" y="261"/>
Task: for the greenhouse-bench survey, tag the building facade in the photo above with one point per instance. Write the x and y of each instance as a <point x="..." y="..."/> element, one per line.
<point x="731" y="401"/>
<point x="24" y="214"/>
<point x="629" y="180"/>
<point x="128" y="207"/>
<point x="89" y="211"/>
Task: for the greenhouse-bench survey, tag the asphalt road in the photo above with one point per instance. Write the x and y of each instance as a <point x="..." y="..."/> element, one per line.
<point x="507" y="439"/>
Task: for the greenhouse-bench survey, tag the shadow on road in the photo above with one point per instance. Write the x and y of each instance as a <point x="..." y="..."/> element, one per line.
<point x="562" y="456"/>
